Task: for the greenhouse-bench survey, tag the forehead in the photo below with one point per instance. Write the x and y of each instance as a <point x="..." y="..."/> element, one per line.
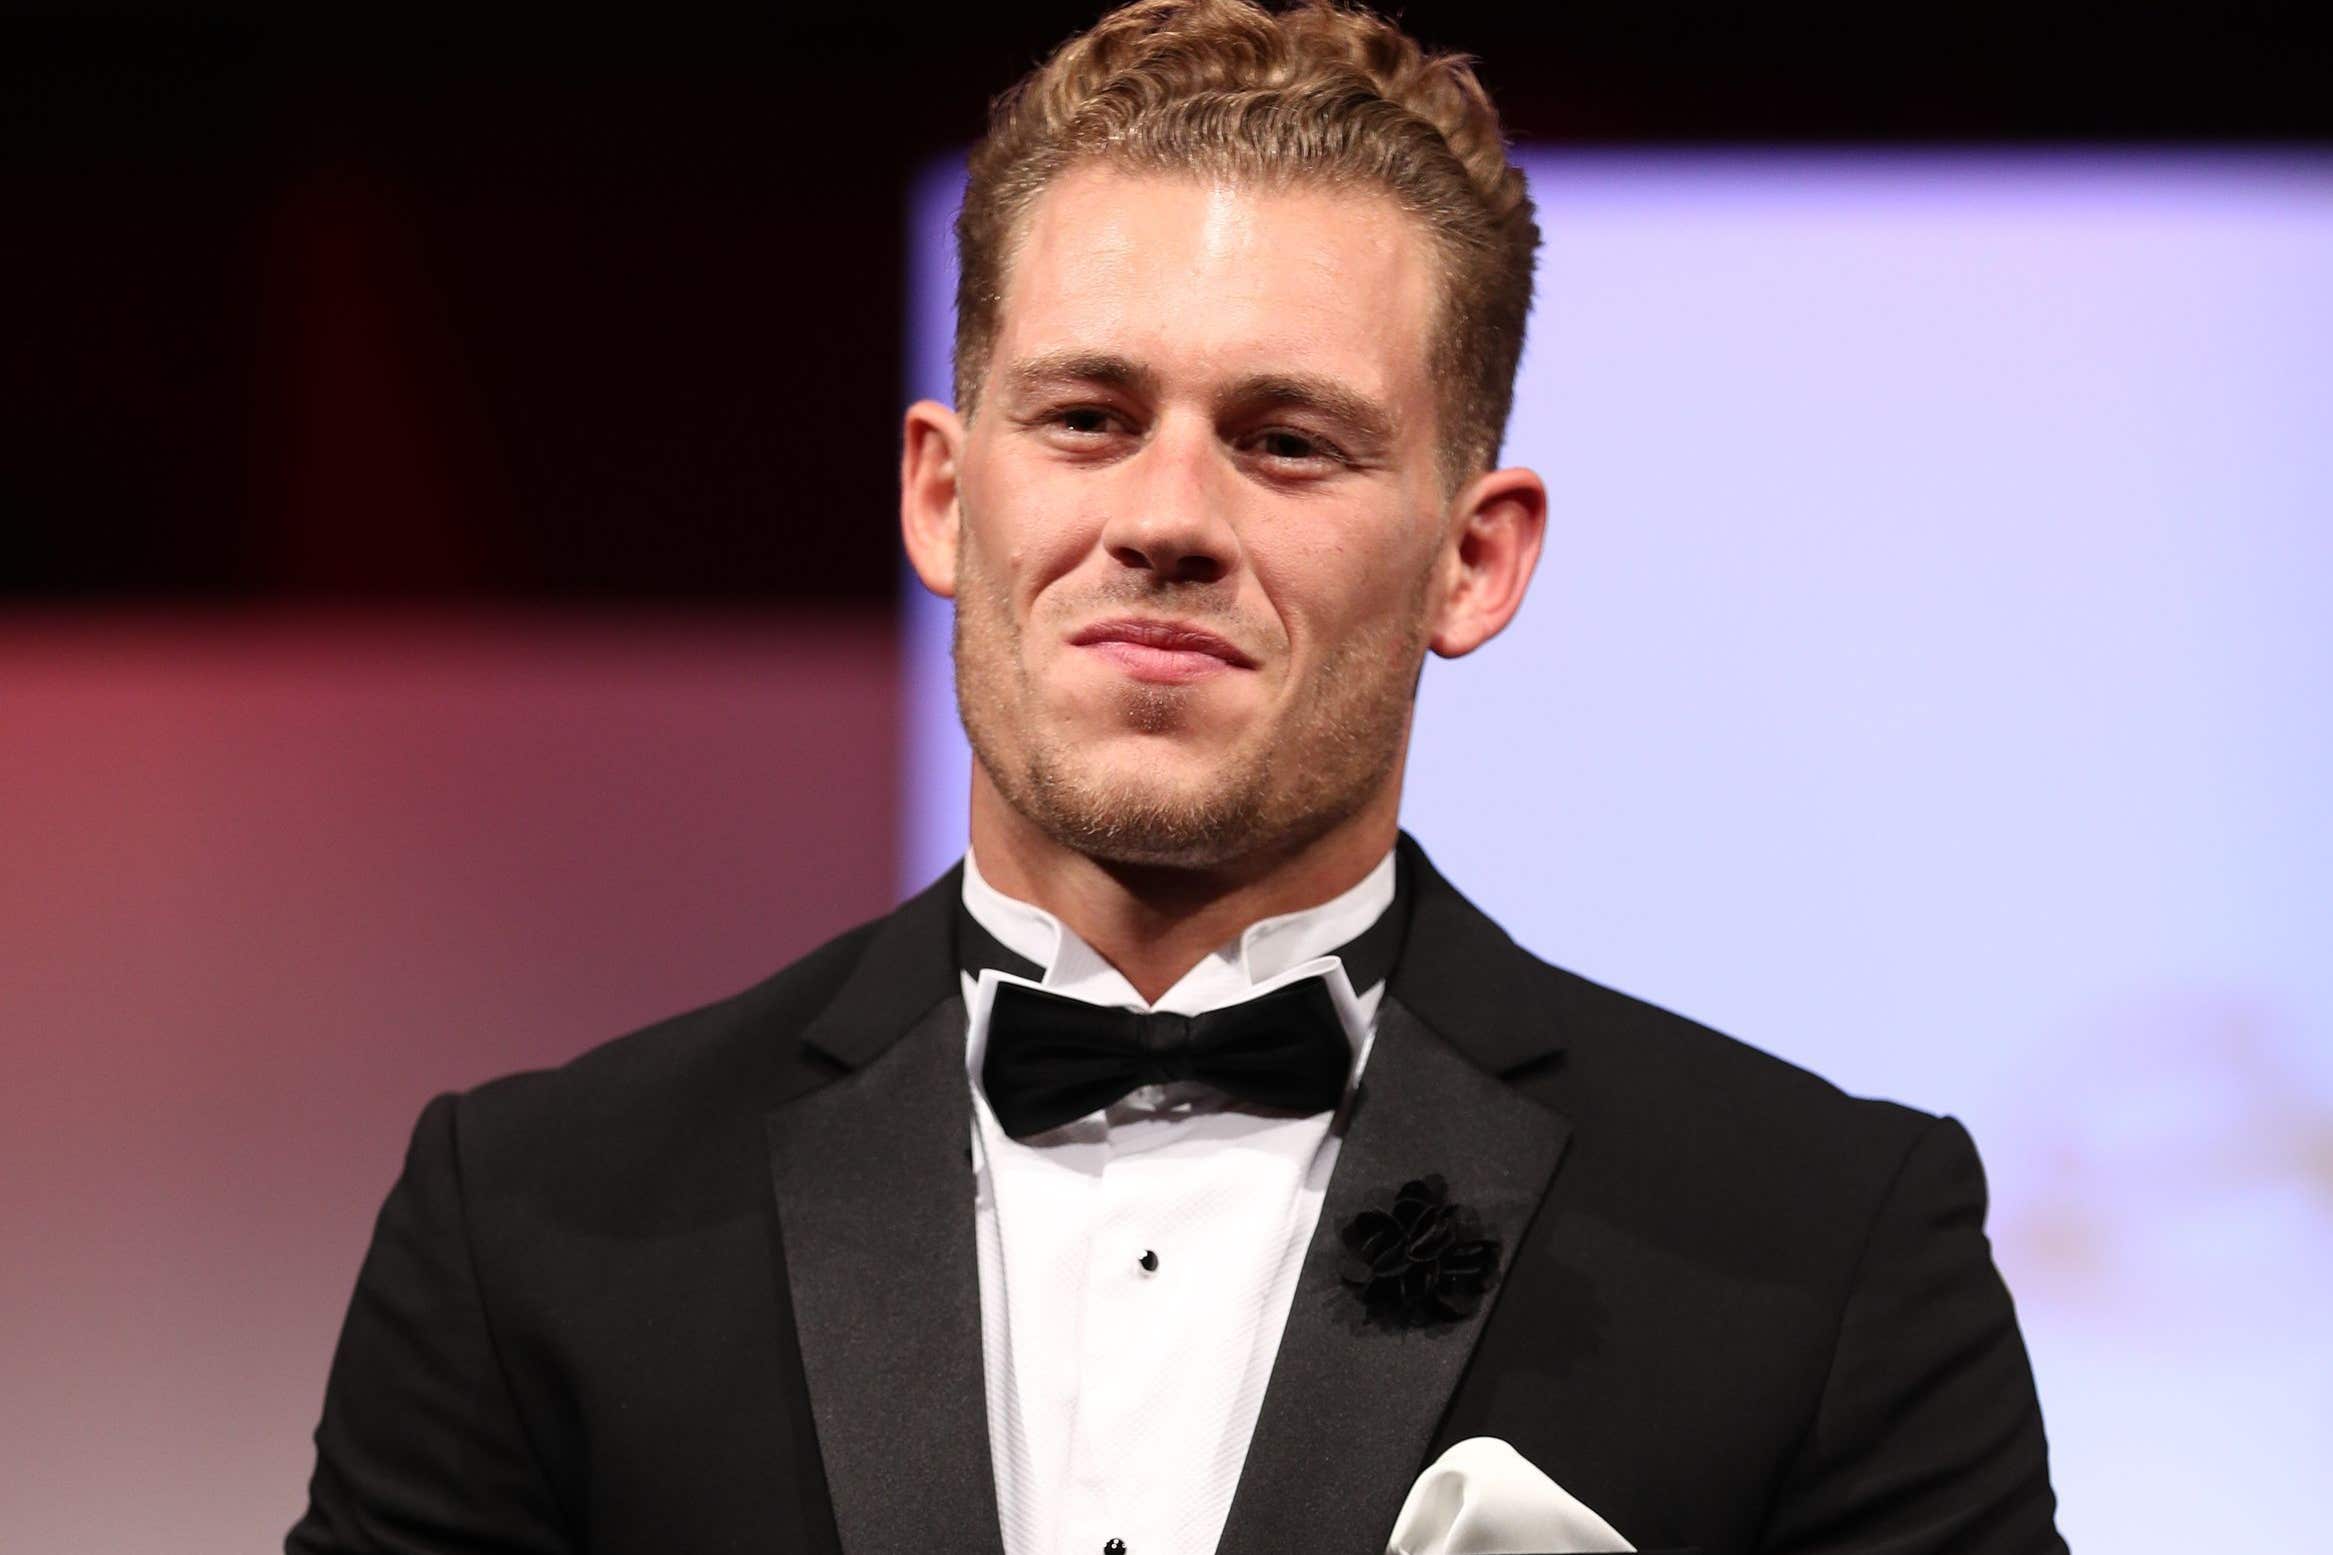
<point x="1192" y="276"/>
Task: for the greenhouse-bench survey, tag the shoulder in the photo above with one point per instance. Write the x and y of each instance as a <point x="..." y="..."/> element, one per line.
<point x="1640" y="1063"/>
<point x="757" y="1028"/>
<point x="1672" y="1106"/>
<point x="1686" y="1132"/>
<point x="670" y="1092"/>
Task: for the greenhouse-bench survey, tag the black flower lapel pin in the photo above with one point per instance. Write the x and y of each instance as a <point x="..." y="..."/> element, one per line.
<point x="1422" y="1260"/>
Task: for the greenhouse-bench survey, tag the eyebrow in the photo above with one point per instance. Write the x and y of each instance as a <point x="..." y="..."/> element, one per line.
<point x="1095" y="367"/>
<point x="1363" y="417"/>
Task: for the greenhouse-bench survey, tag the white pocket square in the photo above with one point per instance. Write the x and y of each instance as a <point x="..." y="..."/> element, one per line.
<point x="1482" y="1497"/>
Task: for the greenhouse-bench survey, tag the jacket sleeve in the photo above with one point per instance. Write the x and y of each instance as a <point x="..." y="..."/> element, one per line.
<point x="421" y="1451"/>
<point x="1928" y="1437"/>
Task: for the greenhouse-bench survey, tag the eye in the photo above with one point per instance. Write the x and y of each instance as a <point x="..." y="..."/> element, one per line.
<point x="1083" y="420"/>
<point x="1081" y="432"/>
<point x="1286" y="445"/>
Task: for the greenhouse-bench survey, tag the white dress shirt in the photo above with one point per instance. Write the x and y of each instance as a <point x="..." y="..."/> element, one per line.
<point x="1121" y="1398"/>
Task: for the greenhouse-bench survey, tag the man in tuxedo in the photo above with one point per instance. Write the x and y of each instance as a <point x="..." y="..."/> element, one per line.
<point x="1193" y="1168"/>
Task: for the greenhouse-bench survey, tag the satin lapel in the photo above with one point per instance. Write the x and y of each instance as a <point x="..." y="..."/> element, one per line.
<point x="1351" y="1407"/>
<point x="874" y="1192"/>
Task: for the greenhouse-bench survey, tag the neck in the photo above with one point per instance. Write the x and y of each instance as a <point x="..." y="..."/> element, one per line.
<point x="1155" y="922"/>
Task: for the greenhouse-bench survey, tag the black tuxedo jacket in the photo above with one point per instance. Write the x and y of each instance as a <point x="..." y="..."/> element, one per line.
<point x="712" y="1287"/>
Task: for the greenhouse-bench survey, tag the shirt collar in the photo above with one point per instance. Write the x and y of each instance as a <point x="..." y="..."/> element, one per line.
<point x="1263" y="951"/>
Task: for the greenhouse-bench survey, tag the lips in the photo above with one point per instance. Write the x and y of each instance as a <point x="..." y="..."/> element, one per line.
<point x="1163" y="651"/>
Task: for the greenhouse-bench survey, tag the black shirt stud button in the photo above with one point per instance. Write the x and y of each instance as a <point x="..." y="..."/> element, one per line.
<point x="1149" y="1262"/>
<point x="1116" y="1546"/>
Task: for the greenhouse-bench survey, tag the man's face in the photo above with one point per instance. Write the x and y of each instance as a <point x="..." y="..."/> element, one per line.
<point x="1200" y="516"/>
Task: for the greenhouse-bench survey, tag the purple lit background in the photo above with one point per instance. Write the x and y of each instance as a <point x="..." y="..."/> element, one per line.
<point x="1930" y="679"/>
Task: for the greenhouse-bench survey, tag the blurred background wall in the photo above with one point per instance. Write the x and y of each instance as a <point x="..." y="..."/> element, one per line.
<point x="449" y="615"/>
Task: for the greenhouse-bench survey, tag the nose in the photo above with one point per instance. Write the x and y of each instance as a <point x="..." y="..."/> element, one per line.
<point x="1169" y="519"/>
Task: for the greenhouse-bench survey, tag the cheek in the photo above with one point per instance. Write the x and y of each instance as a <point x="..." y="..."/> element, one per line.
<point x="1026" y="529"/>
<point x="1331" y="584"/>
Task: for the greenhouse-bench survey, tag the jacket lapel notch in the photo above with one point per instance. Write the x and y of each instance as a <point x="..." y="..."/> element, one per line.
<point x="1352" y="1406"/>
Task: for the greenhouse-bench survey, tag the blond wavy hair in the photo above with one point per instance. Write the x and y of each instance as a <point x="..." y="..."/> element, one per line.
<point x="1319" y="95"/>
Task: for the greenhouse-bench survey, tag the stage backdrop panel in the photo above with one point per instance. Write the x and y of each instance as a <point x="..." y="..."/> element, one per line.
<point x="265" y="887"/>
<point x="1927" y="680"/>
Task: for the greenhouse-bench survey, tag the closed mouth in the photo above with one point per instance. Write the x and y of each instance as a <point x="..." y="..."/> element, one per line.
<point x="1165" y="637"/>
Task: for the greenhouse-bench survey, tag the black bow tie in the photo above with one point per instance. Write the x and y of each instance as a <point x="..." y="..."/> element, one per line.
<point x="1052" y="1059"/>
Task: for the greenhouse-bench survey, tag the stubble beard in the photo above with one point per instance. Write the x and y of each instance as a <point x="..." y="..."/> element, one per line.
<point x="1270" y="795"/>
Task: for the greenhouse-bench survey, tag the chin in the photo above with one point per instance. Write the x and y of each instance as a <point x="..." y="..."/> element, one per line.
<point x="1141" y="802"/>
<point x="1149" y="775"/>
<point x="1180" y="759"/>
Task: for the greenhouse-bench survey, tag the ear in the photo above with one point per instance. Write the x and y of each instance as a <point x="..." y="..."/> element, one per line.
<point x="1497" y="523"/>
<point x="930" y="519"/>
